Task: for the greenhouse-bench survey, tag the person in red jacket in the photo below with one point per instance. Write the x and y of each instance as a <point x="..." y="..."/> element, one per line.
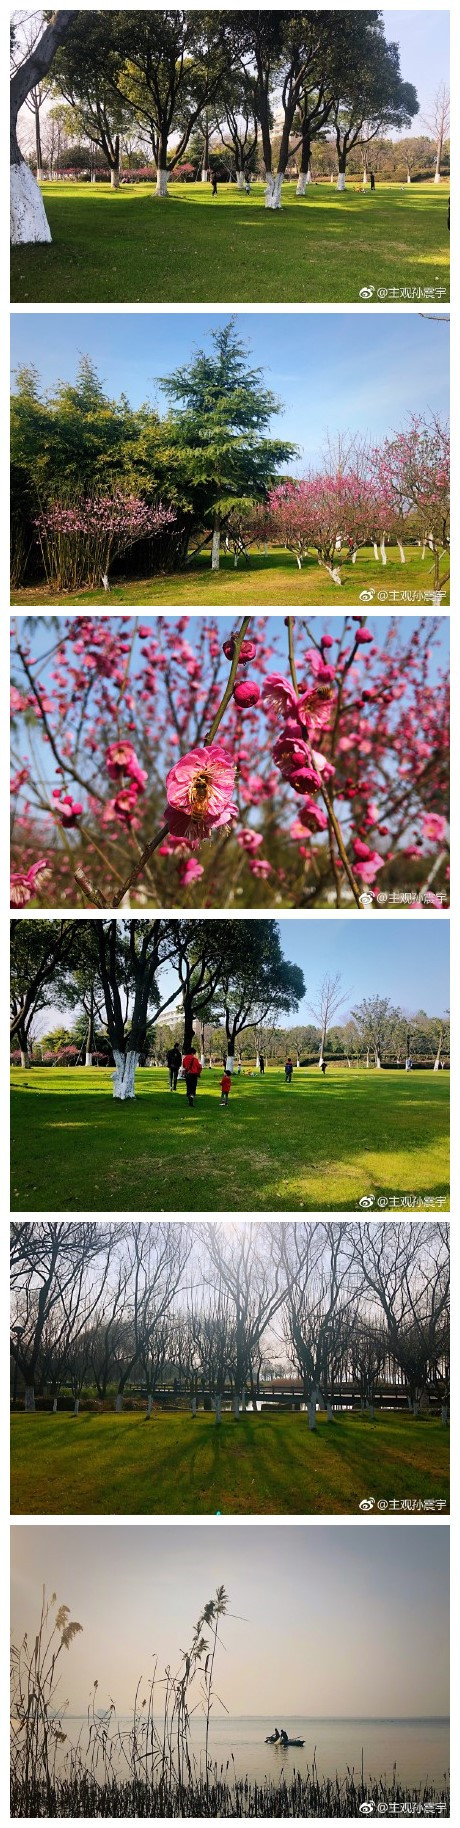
<point x="225" y="1086"/>
<point x="192" y="1070"/>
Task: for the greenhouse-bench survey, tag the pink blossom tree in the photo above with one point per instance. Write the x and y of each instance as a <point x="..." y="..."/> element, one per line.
<point x="168" y="763"/>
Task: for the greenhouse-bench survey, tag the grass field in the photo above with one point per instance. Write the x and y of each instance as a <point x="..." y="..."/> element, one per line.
<point x="273" y="579"/>
<point x="318" y="1144"/>
<point x="127" y="246"/>
<point x="264" y="1463"/>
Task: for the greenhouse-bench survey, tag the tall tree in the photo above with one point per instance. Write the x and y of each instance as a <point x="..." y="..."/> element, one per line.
<point x="221" y="410"/>
<point x="86" y="72"/>
<point x="328" y="1000"/>
<point x="40" y="953"/>
<point x="28" y="219"/>
<point x="438" y="122"/>
<point x="173" y="64"/>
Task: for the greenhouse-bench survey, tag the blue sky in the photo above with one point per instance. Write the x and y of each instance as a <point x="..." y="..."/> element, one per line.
<point x="423" y="39"/>
<point x="363" y="374"/>
<point x="336" y="1620"/>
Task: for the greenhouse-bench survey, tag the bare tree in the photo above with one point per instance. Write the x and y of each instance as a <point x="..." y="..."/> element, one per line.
<point x="52" y="1276"/>
<point x="438" y="122"/>
<point x="245" y="1264"/>
<point x="321" y="1307"/>
<point x="406" y="1270"/>
<point x="29" y="221"/>
<point x="329" y="999"/>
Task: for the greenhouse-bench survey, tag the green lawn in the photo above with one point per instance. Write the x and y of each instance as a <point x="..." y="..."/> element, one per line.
<point x="318" y="1144"/>
<point x="263" y="1463"/>
<point x="271" y="579"/>
<point x="127" y="246"/>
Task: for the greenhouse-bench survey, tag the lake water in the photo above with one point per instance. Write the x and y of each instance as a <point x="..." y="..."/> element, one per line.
<point x="418" y="1748"/>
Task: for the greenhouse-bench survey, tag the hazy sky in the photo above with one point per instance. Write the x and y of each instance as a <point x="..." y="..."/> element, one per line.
<point x="364" y="374"/>
<point x="333" y="1620"/>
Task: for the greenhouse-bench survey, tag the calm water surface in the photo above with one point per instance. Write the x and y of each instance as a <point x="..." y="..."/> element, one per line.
<point x="418" y="1748"/>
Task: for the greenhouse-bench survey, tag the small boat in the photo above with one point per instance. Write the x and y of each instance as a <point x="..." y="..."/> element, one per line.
<point x="283" y="1741"/>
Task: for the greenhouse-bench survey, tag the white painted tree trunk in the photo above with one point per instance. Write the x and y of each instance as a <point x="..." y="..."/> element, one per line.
<point x="105" y="581"/>
<point x="29" y="1399"/>
<point x="28" y="218"/>
<point x="88" y="1059"/>
<point x="273" y="191"/>
<point x="193" y="1405"/>
<point x="332" y="178"/>
<point x="383" y="550"/>
<point x="376" y="550"/>
<point x="76" y="1405"/>
<point x="364" y="180"/>
<point x="240" y="180"/>
<point x="204" y="174"/>
<point x="354" y="556"/>
<point x="437" y="176"/>
<point x="93" y="177"/>
<point x="236" y="1406"/>
<point x="215" y="549"/>
<point x="54" y="1405"/>
<point x="162" y="183"/>
<point x="202" y="1059"/>
<point x="378" y="1060"/>
<point x="334" y="574"/>
<point x="124" y="1075"/>
<point x="257" y="1060"/>
<point x="41" y="175"/>
<point x="401" y="551"/>
<point x="115" y="178"/>
<point x="302" y="181"/>
<point x="149" y="1405"/>
<point x="341" y="181"/>
<point x="118" y="1404"/>
<point x="370" y="1411"/>
<point x="298" y="561"/>
<point x="312" y="1415"/>
<point x="330" y="1412"/>
<point x="24" y="1058"/>
<point x="444" y="1415"/>
<point x="437" y="598"/>
<point x="424" y="549"/>
<point x="297" y="1060"/>
<point x="416" y="1408"/>
<point x="230" y="1063"/>
<point x="218" y="1411"/>
<point x="409" y="179"/>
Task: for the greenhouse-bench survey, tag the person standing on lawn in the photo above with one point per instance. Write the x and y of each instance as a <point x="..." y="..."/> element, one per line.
<point x="261" y="1063"/>
<point x="192" y="1069"/>
<point x="225" y="1087"/>
<point x="173" y="1062"/>
<point x="288" y="1070"/>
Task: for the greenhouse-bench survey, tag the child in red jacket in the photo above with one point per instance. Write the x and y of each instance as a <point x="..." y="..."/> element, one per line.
<point x="225" y="1086"/>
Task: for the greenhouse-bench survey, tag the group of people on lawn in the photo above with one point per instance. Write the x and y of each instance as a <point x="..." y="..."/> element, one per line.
<point x="190" y="1068"/>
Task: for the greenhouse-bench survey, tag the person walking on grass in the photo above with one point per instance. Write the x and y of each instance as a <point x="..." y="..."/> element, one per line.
<point x="261" y="1063"/>
<point x="225" y="1088"/>
<point x="173" y="1062"/>
<point x="372" y="181"/>
<point x="213" y="184"/>
<point x="288" y="1070"/>
<point x="192" y="1069"/>
<point x="323" y="1065"/>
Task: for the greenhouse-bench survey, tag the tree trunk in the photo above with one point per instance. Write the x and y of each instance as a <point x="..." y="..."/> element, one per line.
<point x="124" y="1075"/>
<point x="218" y="1411"/>
<point x="240" y="180"/>
<point x="115" y="177"/>
<point x="376" y="550"/>
<point x="28" y="220"/>
<point x="193" y="1409"/>
<point x="378" y="1057"/>
<point x="29" y="1399"/>
<point x="273" y="190"/>
<point x="236" y="1406"/>
<point x="25" y="1062"/>
<point x="383" y="550"/>
<point x="215" y="548"/>
<point x="88" y="1059"/>
<point x="342" y="171"/>
<point x="444" y="1415"/>
<point x="55" y="1402"/>
<point x="76" y="1405"/>
<point x="230" y="1063"/>
<point x="312" y="1415"/>
<point x="401" y="551"/>
<point x="162" y="183"/>
<point x="118" y="1403"/>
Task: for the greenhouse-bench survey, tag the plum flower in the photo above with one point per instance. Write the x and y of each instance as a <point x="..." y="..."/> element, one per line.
<point x="121" y="758"/>
<point x="279" y="695"/>
<point x="190" y="871"/>
<point x="68" y="810"/>
<point x="246" y="693"/>
<point x="368" y="862"/>
<point x="191" y="829"/>
<point x="247" y="650"/>
<point x="249" y="840"/>
<point x="24" y="883"/>
<point x="200" y="786"/>
<point x="434" y="826"/>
